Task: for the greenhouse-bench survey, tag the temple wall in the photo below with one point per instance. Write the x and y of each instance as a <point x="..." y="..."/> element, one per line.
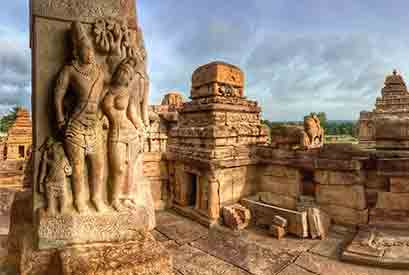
<point x="236" y="183"/>
<point x="352" y="189"/>
<point x="155" y="168"/>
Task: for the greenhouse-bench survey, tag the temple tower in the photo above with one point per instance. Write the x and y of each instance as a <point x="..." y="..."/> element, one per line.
<point x="210" y="149"/>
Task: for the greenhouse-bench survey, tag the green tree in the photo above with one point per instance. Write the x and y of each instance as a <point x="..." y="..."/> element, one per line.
<point x="8" y="119"/>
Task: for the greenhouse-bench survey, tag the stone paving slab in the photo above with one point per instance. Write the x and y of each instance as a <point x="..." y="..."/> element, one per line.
<point x="183" y="231"/>
<point x="167" y="217"/>
<point x="255" y="259"/>
<point x="189" y="260"/>
<point x="332" y="246"/>
<point x="290" y="244"/>
<point x="325" y="266"/>
<point x="294" y="269"/>
<point x="159" y="236"/>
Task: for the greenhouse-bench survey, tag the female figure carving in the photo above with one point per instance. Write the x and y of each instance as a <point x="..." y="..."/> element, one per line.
<point x="125" y="140"/>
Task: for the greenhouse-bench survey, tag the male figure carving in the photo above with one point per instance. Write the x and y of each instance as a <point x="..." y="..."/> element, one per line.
<point x="83" y="142"/>
<point x="54" y="171"/>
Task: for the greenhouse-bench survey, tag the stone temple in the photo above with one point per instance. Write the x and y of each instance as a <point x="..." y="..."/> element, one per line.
<point x="394" y="103"/>
<point x="104" y="161"/>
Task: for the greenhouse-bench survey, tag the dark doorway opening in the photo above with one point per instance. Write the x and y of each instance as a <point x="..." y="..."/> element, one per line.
<point x="21" y="151"/>
<point x="192" y="190"/>
<point x="308" y="183"/>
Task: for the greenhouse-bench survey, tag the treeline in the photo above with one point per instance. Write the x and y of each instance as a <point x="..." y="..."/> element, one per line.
<point x="331" y="127"/>
<point x="7" y="120"/>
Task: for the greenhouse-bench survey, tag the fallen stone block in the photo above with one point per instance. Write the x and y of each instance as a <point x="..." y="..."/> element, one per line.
<point x="277" y="231"/>
<point x="319" y="223"/>
<point x="280" y="221"/>
<point x="237" y="217"/>
<point x="278" y="200"/>
<point x="262" y="214"/>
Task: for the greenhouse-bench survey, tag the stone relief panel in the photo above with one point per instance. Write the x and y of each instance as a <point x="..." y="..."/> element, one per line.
<point x="100" y="101"/>
<point x="84" y="10"/>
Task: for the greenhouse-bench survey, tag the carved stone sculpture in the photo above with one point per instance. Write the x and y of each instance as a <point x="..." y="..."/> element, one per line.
<point x="82" y="126"/>
<point x="125" y="141"/>
<point x="88" y="146"/>
<point x="313" y="136"/>
<point x="54" y="171"/>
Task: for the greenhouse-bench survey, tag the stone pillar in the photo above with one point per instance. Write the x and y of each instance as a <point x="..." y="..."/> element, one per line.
<point x="214" y="196"/>
<point x="92" y="207"/>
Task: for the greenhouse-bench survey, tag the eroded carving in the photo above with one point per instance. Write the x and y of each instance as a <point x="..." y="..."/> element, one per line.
<point x="54" y="171"/>
<point x="313" y="132"/>
<point x="125" y="141"/>
<point x="82" y="125"/>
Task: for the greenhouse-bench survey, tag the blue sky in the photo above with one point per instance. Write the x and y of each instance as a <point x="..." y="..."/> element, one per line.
<point x="298" y="55"/>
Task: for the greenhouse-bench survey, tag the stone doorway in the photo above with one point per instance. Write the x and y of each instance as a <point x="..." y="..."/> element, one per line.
<point x="192" y="190"/>
<point x="21" y="151"/>
<point x="308" y="184"/>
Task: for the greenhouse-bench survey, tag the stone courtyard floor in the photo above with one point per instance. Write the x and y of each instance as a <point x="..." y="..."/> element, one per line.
<point x="197" y="250"/>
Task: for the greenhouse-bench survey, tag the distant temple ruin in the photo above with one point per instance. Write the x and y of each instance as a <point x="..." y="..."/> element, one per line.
<point x="17" y="143"/>
<point x="394" y="102"/>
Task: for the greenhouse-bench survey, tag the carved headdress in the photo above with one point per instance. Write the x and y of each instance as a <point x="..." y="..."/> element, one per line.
<point x="79" y="37"/>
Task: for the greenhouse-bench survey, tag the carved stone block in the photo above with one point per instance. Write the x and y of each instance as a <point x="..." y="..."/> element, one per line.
<point x="278" y="200"/>
<point x="144" y="257"/>
<point x="334" y="194"/>
<point x="217" y="72"/>
<point x="237" y="217"/>
<point x="62" y="230"/>
<point x="399" y="185"/>
<point x="277" y="231"/>
<point x="280" y="221"/>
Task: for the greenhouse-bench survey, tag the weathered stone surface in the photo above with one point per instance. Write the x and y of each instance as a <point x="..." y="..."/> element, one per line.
<point x="281" y="171"/>
<point x="295" y="270"/>
<point x="254" y="259"/>
<point x="219" y="74"/>
<point x="281" y="186"/>
<point x="19" y="137"/>
<point x="182" y="230"/>
<point x="322" y="265"/>
<point x="389" y="217"/>
<point x="144" y="257"/>
<point x="62" y="230"/>
<point x="379" y="247"/>
<point x="339" y="178"/>
<point x="319" y="223"/>
<point x="342" y="195"/>
<point x="395" y="167"/>
<point x="278" y="200"/>
<point x="393" y="201"/>
<point x="280" y="221"/>
<point x="345" y="215"/>
<point x="190" y="260"/>
<point x="86" y="11"/>
<point x="277" y="231"/>
<point x="376" y="181"/>
<point x="291" y="244"/>
<point x="399" y="185"/>
<point x="237" y="217"/>
<point x="263" y="215"/>
<point x="332" y="246"/>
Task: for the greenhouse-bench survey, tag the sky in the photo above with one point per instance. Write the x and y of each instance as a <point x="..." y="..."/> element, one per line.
<point x="299" y="56"/>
